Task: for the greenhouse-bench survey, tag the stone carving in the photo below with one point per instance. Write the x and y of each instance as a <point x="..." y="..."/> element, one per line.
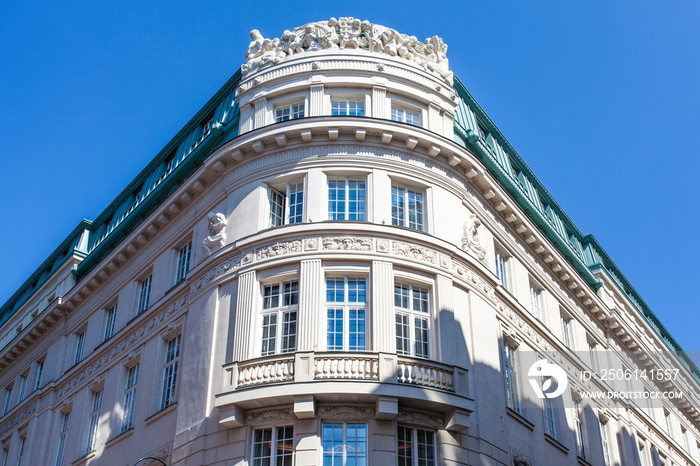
<point x="521" y="460"/>
<point x="471" y="242"/>
<point x="279" y="249"/>
<point x="345" y="412"/>
<point x="217" y="233"/>
<point x="17" y="418"/>
<point x="415" y="252"/>
<point x="421" y="419"/>
<point x="221" y="269"/>
<point x="347" y="33"/>
<point x="269" y="416"/>
<point x="311" y="244"/>
<point x="347" y="243"/>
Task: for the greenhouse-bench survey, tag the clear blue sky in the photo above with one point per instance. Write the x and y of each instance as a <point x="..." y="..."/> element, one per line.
<point x="600" y="98"/>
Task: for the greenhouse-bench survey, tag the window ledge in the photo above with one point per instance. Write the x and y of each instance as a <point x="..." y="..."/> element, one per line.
<point x="83" y="459"/>
<point x="556" y="443"/>
<point x="519" y="417"/>
<point x="114" y="440"/>
<point x="163" y="412"/>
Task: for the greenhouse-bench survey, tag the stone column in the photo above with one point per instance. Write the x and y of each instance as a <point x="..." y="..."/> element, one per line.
<point x="310" y="316"/>
<point x="244" y="327"/>
<point x="316" y="100"/>
<point x="383" y="334"/>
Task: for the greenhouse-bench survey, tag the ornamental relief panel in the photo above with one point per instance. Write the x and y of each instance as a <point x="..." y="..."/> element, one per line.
<point x="18" y="418"/>
<point x="345" y="412"/>
<point x="417" y="418"/>
<point x="269" y="416"/>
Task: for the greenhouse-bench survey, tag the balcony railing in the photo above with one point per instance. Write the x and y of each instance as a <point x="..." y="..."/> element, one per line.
<point x="362" y="366"/>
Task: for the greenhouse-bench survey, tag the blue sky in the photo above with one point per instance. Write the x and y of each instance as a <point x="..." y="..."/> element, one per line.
<point x="600" y="98"/>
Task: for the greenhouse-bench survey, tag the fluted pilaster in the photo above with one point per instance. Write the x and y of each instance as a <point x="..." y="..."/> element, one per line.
<point x="384" y="337"/>
<point x="311" y="294"/>
<point x="244" y="322"/>
<point x="316" y="100"/>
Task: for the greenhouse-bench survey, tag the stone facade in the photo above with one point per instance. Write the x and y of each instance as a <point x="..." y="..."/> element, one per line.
<point x="340" y="278"/>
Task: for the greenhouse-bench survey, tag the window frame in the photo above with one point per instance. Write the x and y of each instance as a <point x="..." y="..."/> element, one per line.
<point x="412" y="314"/>
<point x="400" y="110"/>
<point x="7" y="405"/>
<point x="94" y="419"/>
<point x="23" y="380"/>
<point x="39" y="374"/>
<point x="274" y="440"/>
<point x="605" y="442"/>
<point x="346" y="307"/>
<point x="579" y="427"/>
<point x="110" y="319"/>
<point x="183" y="259"/>
<point x="344" y="442"/>
<point x="359" y="100"/>
<point x="63" y="437"/>
<point x="401" y="210"/>
<point x="501" y="268"/>
<point x="511" y="369"/>
<point x="144" y="294"/>
<point x="280" y="312"/>
<point x="79" y="346"/>
<point x="293" y="190"/>
<point x="291" y="112"/>
<point x="536" y="301"/>
<point x="168" y="394"/>
<point x="361" y="210"/>
<point x="565" y="320"/>
<point x="415" y="446"/>
<point x="132" y="378"/>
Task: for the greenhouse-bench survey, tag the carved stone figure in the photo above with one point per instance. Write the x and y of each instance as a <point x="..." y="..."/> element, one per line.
<point x="471" y="242"/>
<point x="217" y="233"/>
<point x="347" y="33"/>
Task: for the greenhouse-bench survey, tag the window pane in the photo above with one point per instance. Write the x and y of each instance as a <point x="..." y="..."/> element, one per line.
<point x="403" y="341"/>
<point x="276" y="208"/>
<point x="398" y="205"/>
<point x="289" y="331"/>
<point x="421" y="337"/>
<point x="357" y="330"/>
<point x="296" y="203"/>
<point x="335" y="329"/>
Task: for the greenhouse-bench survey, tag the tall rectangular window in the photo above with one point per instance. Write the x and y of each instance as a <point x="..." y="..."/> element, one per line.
<point x="344" y="444"/>
<point x="22" y="387"/>
<point x="20" y="454"/>
<point x="510" y="373"/>
<point x="501" y="268"/>
<point x="62" y="437"/>
<point x="550" y="419"/>
<point x="183" y="262"/>
<point x="296" y="203"/>
<point x="8" y="400"/>
<point x="580" y="426"/>
<point x="605" y="442"/>
<point x="593" y="356"/>
<point x="132" y="377"/>
<point x="273" y="446"/>
<point x="94" y="420"/>
<point x="535" y="302"/>
<point x="347" y="198"/>
<point x="412" y="317"/>
<point x="684" y="435"/>
<point x="279" y="319"/>
<point x="407" y="207"/>
<point x="110" y="317"/>
<point x="348" y="107"/>
<point x="289" y="112"/>
<point x="172" y="359"/>
<point x="566" y="330"/>
<point x="287" y="206"/>
<point x="79" y="347"/>
<point x="415" y="447"/>
<point x="346" y="307"/>
<point x="276" y="208"/>
<point x="405" y="115"/>
<point x="144" y="294"/>
<point x="39" y="375"/>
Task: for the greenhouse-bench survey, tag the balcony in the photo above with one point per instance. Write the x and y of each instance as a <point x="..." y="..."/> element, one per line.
<point x="306" y="378"/>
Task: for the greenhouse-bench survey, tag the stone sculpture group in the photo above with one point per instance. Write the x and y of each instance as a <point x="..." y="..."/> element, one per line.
<point x="347" y="33"/>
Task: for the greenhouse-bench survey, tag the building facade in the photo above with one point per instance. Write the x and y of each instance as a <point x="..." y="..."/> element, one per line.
<point x="340" y="260"/>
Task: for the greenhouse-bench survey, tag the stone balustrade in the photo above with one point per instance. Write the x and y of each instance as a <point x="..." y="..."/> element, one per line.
<point x="427" y="374"/>
<point x="347" y="366"/>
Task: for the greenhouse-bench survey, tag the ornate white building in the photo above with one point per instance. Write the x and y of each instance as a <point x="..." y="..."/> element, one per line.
<point x="339" y="260"/>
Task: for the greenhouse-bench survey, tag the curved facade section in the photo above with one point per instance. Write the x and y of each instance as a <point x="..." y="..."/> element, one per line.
<point x="344" y="279"/>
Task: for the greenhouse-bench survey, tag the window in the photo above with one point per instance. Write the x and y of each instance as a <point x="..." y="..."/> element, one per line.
<point x="79" y="346"/>
<point x="8" y="399"/>
<point x="405" y="115"/>
<point x="349" y="107"/>
<point x="110" y="315"/>
<point x="346" y="198"/>
<point x="132" y="377"/>
<point x="535" y="301"/>
<point x="550" y="419"/>
<point x="283" y="440"/>
<point x="144" y="294"/>
<point x="643" y="456"/>
<point x="407" y="207"/>
<point x="183" y="262"/>
<point x="346" y="309"/>
<point x="510" y="373"/>
<point x="94" y="420"/>
<point x="416" y="447"/>
<point x="501" y="268"/>
<point x="344" y="444"/>
<point x="667" y="417"/>
<point x="22" y="387"/>
<point x="289" y="112"/>
<point x="605" y="442"/>
<point x="5" y="455"/>
<point x="62" y="437"/>
<point x="39" y="374"/>
<point x="684" y="435"/>
<point x="566" y="330"/>
<point x="288" y="206"/>
<point x="592" y="355"/>
<point x="412" y="315"/>
<point x="172" y="359"/>
<point x="580" y="429"/>
<point x="280" y="304"/>
<point x="20" y="454"/>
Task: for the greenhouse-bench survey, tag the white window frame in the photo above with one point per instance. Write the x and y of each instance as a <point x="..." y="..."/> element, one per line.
<point x="20" y="453"/>
<point x="79" y="347"/>
<point x="348" y="106"/>
<point x="405" y="114"/>
<point x="132" y="378"/>
<point x="294" y="111"/>
<point x="22" y="387"/>
<point x="429" y="450"/>
<point x="344" y="450"/>
<point x="39" y="374"/>
<point x="579" y="427"/>
<point x="501" y="259"/>
<point x="182" y="266"/>
<point x="8" y="399"/>
<point x="110" y="317"/>
<point x="62" y="438"/>
<point x="356" y="288"/>
<point x="536" y="300"/>
<point x="292" y="197"/>
<point x="173" y="350"/>
<point x="402" y="198"/>
<point x="551" y="426"/>
<point x="258" y="458"/>
<point x="605" y="442"/>
<point x="94" y="420"/>
<point x="566" y="321"/>
<point x="510" y="375"/>
<point x="593" y="354"/>
<point x="282" y="308"/>
<point x="144" y="294"/>
<point x="344" y="187"/>
<point x="412" y="303"/>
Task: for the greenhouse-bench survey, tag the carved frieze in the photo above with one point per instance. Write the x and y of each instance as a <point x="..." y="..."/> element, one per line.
<point x="279" y="249"/>
<point x="415" y="252"/>
<point x="270" y="416"/>
<point x="18" y="418"/>
<point x="420" y="419"/>
<point x="345" y="412"/>
<point x="347" y="243"/>
<point x="227" y="266"/>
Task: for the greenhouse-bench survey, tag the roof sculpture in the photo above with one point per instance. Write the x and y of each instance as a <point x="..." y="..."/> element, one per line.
<point x="347" y="33"/>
